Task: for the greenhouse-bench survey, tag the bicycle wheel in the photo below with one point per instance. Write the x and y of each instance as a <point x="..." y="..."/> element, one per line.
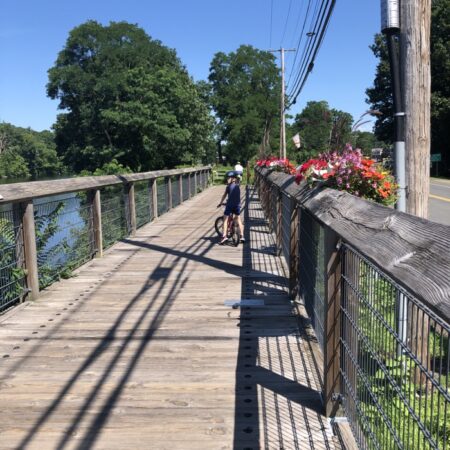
<point x="218" y="225"/>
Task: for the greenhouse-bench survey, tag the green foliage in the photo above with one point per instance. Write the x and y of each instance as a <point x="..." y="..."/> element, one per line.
<point x="394" y="385"/>
<point x="126" y="97"/>
<point x="379" y="96"/>
<point x="321" y="129"/>
<point x="27" y="153"/>
<point x="245" y="90"/>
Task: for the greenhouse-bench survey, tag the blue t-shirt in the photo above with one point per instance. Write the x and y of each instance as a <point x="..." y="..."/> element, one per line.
<point x="234" y="195"/>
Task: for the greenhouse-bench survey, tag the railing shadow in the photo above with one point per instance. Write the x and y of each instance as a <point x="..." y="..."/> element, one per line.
<point x="278" y="402"/>
<point x="146" y="320"/>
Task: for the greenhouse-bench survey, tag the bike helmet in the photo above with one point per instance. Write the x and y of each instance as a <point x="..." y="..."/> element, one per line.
<point x="231" y="173"/>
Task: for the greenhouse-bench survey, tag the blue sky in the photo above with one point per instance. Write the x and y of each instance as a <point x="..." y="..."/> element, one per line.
<point x="33" y="32"/>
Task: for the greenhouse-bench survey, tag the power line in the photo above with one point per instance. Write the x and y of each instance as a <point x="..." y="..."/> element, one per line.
<point x="271" y="21"/>
<point x="314" y="44"/>
<point x="285" y="23"/>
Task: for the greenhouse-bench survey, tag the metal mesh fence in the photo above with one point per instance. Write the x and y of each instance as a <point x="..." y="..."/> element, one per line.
<point x="143" y="202"/>
<point x="312" y="272"/>
<point x="274" y="209"/>
<point x="286" y="208"/>
<point x="175" y="191"/>
<point x="64" y="239"/>
<point x="114" y="215"/>
<point x="12" y="273"/>
<point x="192" y="184"/>
<point x="163" y="196"/>
<point x="394" y="363"/>
<point x="185" y="187"/>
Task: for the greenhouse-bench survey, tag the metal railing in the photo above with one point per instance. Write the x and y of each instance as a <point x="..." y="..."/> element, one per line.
<point x="376" y="287"/>
<point x="50" y="228"/>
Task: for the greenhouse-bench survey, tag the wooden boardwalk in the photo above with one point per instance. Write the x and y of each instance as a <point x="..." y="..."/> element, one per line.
<point x="144" y="350"/>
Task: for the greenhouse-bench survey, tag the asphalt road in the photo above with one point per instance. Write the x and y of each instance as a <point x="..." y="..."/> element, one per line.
<point x="439" y="201"/>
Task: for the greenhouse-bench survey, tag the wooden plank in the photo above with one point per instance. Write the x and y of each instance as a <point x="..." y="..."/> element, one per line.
<point x="139" y="350"/>
<point x="411" y="250"/>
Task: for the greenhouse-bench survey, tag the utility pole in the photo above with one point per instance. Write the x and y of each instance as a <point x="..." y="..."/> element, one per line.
<point x="415" y="17"/>
<point x="282" y="108"/>
<point x="390" y="26"/>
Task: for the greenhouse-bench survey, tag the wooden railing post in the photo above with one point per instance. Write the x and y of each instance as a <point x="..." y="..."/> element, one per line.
<point x="154" y="186"/>
<point x="279" y="219"/>
<point x="129" y="190"/>
<point x="293" y="249"/>
<point x="195" y="183"/>
<point x="97" y="222"/>
<point x="181" y="188"/>
<point x="30" y="250"/>
<point x="332" y="355"/>
<point x="169" y="191"/>
<point x="189" y="185"/>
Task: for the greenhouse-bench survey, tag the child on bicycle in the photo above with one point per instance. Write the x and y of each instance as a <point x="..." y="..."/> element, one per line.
<point x="233" y="205"/>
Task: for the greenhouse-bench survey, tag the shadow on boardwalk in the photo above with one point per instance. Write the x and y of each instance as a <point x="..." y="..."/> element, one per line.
<point x="275" y="402"/>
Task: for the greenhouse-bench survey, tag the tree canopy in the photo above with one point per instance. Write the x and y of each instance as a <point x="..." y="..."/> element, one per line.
<point x="126" y="97"/>
<point x="26" y="153"/>
<point x="321" y="129"/>
<point x="245" y="96"/>
<point x="379" y="96"/>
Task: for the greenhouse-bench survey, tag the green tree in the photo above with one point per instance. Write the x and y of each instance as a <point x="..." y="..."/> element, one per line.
<point x="379" y="96"/>
<point x="27" y="153"/>
<point x="321" y="129"/>
<point x="126" y="97"/>
<point x="245" y="92"/>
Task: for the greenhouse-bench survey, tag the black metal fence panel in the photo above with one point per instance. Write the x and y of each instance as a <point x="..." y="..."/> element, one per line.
<point x="114" y="215"/>
<point x="395" y="362"/>
<point x="175" y="191"/>
<point x="286" y="210"/>
<point x="64" y="239"/>
<point x="12" y="272"/>
<point x="143" y="203"/>
<point x="312" y="272"/>
<point x="185" y="187"/>
<point x="163" y="196"/>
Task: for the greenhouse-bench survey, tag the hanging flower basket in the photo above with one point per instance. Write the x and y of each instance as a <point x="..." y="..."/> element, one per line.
<point x="351" y="172"/>
<point x="277" y="165"/>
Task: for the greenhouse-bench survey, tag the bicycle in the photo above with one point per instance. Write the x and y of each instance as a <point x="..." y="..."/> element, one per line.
<point x="232" y="229"/>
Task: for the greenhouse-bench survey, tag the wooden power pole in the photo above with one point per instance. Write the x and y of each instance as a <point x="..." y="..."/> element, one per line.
<point x="282" y="106"/>
<point x="415" y="50"/>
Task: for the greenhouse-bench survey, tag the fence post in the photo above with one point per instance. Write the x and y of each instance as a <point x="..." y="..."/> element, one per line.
<point x="95" y="200"/>
<point x="189" y="185"/>
<point x="279" y="219"/>
<point x="293" y="250"/>
<point x="154" y="186"/>
<point x="332" y="328"/>
<point x="30" y="250"/>
<point x="195" y="183"/>
<point x="169" y="191"/>
<point x="181" y="188"/>
<point x="129" y="191"/>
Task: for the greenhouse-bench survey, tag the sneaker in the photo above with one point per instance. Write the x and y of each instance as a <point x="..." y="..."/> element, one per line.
<point x="223" y="240"/>
<point x="242" y="239"/>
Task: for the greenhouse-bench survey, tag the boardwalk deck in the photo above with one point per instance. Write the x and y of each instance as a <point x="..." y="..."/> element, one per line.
<point x="142" y="349"/>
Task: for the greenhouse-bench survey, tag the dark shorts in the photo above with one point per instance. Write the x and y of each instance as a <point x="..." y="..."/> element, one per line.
<point x="232" y="210"/>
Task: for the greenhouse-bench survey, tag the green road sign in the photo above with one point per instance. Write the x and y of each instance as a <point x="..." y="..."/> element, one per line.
<point x="436" y="157"/>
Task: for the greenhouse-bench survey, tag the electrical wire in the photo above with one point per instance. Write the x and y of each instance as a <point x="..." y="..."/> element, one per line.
<point x="311" y="49"/>
<point x="271" y="22"/>
<point x="285" y="23"/>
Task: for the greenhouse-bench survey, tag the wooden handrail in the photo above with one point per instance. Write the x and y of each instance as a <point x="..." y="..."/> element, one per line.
<point x="19" y="192"/>
<point x="415" y="252"/>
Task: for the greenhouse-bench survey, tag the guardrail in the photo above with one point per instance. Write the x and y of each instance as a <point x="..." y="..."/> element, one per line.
<point x="49" y="228"/>
<point x="376" y="286"/>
